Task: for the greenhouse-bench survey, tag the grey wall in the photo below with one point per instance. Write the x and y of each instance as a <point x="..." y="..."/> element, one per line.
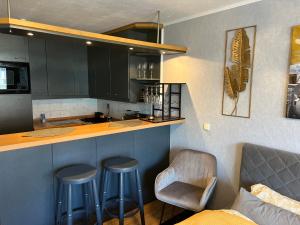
<point x="202" y="70"/>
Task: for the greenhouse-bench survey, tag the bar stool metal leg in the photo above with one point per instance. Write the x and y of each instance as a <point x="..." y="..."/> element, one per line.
<point x="69" y="212"/>
<point x="104" y="189"/>
<point x="97" y="204"/>
<point x="140" y="196"/>
<point x="59" y="203"/>
<point x="121" y="198"/>
<point x="86" y="202"/>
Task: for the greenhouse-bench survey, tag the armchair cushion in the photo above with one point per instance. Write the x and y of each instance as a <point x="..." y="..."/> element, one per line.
<point x="182" y="195"/>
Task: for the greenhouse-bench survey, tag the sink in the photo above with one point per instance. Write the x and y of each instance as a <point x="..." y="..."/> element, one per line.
<point x="66" y="123"/>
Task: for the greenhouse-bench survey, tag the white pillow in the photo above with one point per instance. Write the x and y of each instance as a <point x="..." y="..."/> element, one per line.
<point x="270" y="196"/>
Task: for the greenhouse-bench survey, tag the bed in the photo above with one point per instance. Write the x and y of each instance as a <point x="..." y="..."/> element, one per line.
<point x="266" y="167"/>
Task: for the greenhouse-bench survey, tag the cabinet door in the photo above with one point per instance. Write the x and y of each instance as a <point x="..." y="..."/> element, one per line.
<point x="114" y="146"/>
<point x="151" y="149"/>
<point x="119" y="73"/>
<point x="26" y="190"/>
<point x="38" y="68"/>
<point x="99" y="72"/>
<point x="61" y="78"/>
<point x="72" y="153"/>
<point x="13" y="48"/>
<point x="81" y="70"/>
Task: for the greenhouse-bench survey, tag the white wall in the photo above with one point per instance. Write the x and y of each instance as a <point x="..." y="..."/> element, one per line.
<point x="202" y="70"/>
<point x="55" y="108"/>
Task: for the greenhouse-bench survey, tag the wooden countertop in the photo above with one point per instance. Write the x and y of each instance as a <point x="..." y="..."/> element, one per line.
<point x="16" y="141"/>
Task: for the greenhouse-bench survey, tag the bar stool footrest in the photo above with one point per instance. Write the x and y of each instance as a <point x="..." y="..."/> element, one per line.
<point x="112" y="207"/>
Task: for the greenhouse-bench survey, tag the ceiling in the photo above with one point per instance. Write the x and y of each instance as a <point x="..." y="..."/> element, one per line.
<point x="104" y="15"/>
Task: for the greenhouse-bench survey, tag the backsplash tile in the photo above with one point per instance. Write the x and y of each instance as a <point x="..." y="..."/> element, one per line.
<point x="54" y="108"/>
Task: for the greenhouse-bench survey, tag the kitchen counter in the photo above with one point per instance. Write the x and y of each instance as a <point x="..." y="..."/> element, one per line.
<point x="15" y="141"/>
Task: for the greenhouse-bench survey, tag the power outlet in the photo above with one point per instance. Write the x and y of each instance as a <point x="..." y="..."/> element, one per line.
<point x="206" y="126"/>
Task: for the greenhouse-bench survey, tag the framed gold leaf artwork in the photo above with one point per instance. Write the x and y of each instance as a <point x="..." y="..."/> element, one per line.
<point x="238" y="70"/>
<point x="293" y="95"/>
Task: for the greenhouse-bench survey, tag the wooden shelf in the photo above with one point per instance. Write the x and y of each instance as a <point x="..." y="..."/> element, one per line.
<point x="25" y="26"/>
<point x="146" y="79"/>
<point x="135" y="26"/>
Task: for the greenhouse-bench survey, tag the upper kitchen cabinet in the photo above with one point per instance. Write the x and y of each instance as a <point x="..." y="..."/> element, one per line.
<point x="67" y="69"/>
<point x="119" y="69"/>
<point x="118" y="73"/>
<point x="99" y="71"/>
<point x="108" y="72"/>
<point x="59" y="69"/>
<point x="13" y="48"/>
<point x="38" y="65"/>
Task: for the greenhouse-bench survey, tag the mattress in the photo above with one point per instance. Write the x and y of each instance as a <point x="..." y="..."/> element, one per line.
<point x="218" y="217"/>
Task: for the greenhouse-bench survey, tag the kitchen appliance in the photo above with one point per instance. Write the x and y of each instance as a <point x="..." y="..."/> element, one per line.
<point x="15" y="99"/>
<point x="14" y="78"/>
<point x="99" y="118"/>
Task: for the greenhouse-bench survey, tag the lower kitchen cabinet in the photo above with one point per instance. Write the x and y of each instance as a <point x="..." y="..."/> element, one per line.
<point x="71" y="153"/>
<point x="151" y="148"/>
<point x="26" y="188"/>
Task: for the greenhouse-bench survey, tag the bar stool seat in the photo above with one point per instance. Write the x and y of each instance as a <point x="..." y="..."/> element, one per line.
<point x="77" y="174"/>
<point x="121" y="166"/>
<point x="70" y="176"/>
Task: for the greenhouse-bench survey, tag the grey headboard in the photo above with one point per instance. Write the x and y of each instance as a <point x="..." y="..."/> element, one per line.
<point x="277" y="169"/>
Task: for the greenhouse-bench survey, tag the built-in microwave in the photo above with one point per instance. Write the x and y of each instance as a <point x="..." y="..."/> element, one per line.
<point x="14" y="78"/>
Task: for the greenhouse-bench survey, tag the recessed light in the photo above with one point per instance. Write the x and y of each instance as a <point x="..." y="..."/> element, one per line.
<point x="131" y="48"/>
<point x="163" y="53"/>
<point x="88" y="42"/>
<point x="30" y="34"/>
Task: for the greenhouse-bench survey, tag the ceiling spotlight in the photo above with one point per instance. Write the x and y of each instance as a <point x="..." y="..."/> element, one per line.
<point x="88" y="42"/>
<point x="30" y="34"/>
<point x="163" y="52"/>
<point x="131" y="48"/>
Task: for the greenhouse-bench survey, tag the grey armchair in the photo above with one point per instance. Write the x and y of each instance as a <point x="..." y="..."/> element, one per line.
<point x="189" y="181"/>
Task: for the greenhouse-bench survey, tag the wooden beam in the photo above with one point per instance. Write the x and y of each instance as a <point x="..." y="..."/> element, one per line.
<point x="63" y="31"/>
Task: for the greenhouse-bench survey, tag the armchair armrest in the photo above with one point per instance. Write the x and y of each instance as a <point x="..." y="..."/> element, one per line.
<point x="164" y="179"/>
<point x="208" y="192"/>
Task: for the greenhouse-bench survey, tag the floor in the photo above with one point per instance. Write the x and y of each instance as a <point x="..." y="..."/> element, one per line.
<point x="152" y="215"/>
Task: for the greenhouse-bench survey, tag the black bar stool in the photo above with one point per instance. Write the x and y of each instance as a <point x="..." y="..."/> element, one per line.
<point x="121" y="166"/>
<point x="77" y="175"/>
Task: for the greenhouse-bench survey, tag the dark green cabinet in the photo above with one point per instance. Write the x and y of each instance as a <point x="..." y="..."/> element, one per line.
<point x="67" y="69"/>
<point x="109" y="72"/>
<point x="38" y="65"/>
<point x="13" y="48"/>
<point x="80" y="63"/>
<point x="26" y="190"/>
<point x="99" y="71"/>
<point x="58" y="68"/>
<point x="28" y="186"/>
<point x="151" y="148"/>
<point x="119" y="73"/>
